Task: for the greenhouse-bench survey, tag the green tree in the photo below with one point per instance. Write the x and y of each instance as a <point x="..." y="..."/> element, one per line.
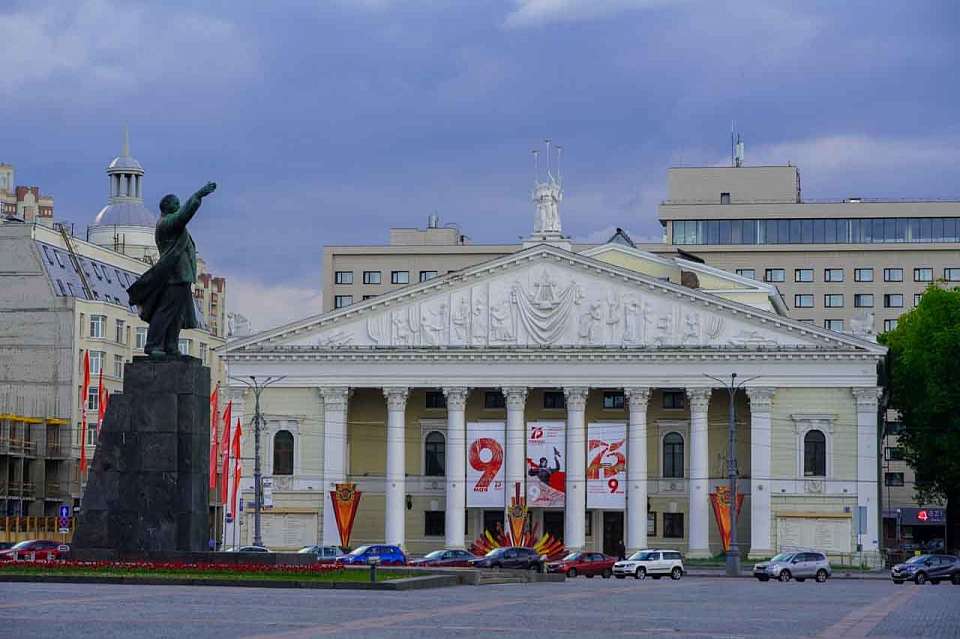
<point x="923" y="383"/>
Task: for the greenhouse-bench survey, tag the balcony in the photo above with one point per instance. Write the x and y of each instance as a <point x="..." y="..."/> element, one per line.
<point x="62" y="490"/>
<point x="13" y="446"/>
<point x="21" y="489"/>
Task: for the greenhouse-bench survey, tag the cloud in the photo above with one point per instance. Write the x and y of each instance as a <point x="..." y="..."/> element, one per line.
<point x="268" y="305"/>
<point x="858" y="152"/>
<point x="533" y="13"/>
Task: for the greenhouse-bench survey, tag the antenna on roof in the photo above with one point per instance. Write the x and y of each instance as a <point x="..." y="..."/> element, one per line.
<point x="125" y="151"/>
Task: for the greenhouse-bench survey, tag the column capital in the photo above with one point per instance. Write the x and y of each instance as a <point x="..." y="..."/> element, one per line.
<point x="335" y="396"/>
<point x="456" y="397"/>
<point x="867" y="397"/>
<point x="576" y="396"/>
<point x="396" y="397"/>
<point x="699" y="398"/>
<point x="761" y="398"/>
<point x="637" y="397"/>
<point x="515" y="396"/>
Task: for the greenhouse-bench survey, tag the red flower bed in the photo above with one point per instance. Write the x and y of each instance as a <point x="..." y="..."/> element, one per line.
<point x="169" y="567"/>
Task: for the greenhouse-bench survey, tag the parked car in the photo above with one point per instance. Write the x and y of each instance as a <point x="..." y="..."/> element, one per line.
<point x="511" y="557"/>
<point x="656" y="563"/>
<point x="794" y="565"/>
<point x="382" y="554"/>
<point x="325" y="554"/>
<point x="588" y="564"/>
<point x="924" y="568"/>
<point x="39" y="549"/>
<point x="449" y="558"/>
<point x="249" y="549"/>
<point x="4" y="545"/>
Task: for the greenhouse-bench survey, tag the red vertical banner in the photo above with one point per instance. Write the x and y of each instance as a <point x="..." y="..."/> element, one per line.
<point x="720" y="501"/>
<point x="237" y="469"/>
<point x="225" y="447"/>
<point x="85" y="390"/>
<point x="102" y="398"/>
<point x="214" y="420"/>
<point x="346" y="500"/>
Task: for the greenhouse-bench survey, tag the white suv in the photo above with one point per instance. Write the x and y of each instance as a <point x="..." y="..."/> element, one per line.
<point x="656" y="563"/>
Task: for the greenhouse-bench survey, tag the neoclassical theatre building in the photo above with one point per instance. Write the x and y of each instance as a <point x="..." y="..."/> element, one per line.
<point x="581" y="380"/>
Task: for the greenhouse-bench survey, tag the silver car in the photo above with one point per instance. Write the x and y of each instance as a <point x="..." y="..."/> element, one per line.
<point x="800" y="565"/>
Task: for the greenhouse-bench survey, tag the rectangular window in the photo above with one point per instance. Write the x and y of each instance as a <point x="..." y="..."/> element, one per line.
<point x="118" y="366"/>
<point x="204" y="353"/>
<point x="916" y="298"/>
<point x="343" y="277"/>
<point x="923" y="274"/>
<point x="893" y="453"/>
<point x="96" y="362"/>
<point x="724" y="198"/>
<point x="367" y="297"/>
<point x="613" y="400"/>
<point x="46" y="252"/>
<point x="184" y="345"/>
<point x="863" y="300"/>
<point x="97" y="325"/>
<point x="833" y="300"/>
<point x="889" y="325"/>
<point x="91" y="433"/>
<point x="674" y="399"/>
<point x="371" y="277"/>
<point x="747" y="272"/>
<point x="434" y="523"/>
<point x="120" y="331"/>
<point x="951" y="274"/>
<point x="863" y="275"/>
<point x="893" y="479"/>
<point x="554" y="399"/>
<point x="893" y="300"/>
<point x="341" y="301"/>
<point x="63" y="290"/>
<point x="803" y="301"/>
<point x="673" y="525"/>
<point x="400" y="277"/>
<point x="774" y="275"/>
<point x="435" y="399"/>
<point x="96" y="269"/>
<point x="141" y="337"/>
<point x="833" y="325"/>
<point x="893" y="275"/>
<point x="427" y="275"/>
<point x="93" y="399"/>
<point x="56" y="254"/>
<point x="803" y="275"/>
<point x="833" y="275"/>
<point x="493" y="399"/>
<point x="651" y="524"/>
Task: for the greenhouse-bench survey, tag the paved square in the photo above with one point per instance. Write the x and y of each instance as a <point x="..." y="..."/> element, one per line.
<point x="692" y="607"/>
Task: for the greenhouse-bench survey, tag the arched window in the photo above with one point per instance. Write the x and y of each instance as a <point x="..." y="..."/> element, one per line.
<point x="673" y="455"/>
<point x="434" y="459"/>
<point x="283" y="453"/>
<point x="814" y="454"/>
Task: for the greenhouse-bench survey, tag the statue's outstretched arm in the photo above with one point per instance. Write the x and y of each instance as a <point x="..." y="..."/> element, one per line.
<point x="180" y="219"/>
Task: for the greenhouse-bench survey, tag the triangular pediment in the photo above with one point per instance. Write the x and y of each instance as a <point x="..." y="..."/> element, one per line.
<point x="545" y="297"/>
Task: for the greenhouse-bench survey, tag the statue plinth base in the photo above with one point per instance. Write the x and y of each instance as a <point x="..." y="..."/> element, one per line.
<point x="148" y="486"/>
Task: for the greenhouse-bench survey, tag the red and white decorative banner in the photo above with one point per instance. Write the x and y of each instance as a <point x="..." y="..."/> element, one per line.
<point x="84" y="398"/>
<point x="346" y="501"/>
<point x="214" y="440"/>
<point x="607" y="465"/>
<point x="485" y="481"/>
<point x="546" y="464"/>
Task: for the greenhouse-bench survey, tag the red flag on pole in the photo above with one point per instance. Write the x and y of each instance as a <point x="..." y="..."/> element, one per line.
<point x="102" y="398"/>
<point x="225" y="447"/>
<point x="237" y="468"/>
<point x="214" y="420"/>
<point x="83" y="411"/>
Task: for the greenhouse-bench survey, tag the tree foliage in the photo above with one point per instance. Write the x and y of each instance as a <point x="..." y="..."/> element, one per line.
<point x="923" y="381"/>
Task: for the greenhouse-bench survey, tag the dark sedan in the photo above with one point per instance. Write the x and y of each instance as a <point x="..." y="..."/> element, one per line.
<point x="588" y="564"/>
<point x="450" y="558"/>
<point x="510" y="557"/>
<point x="924" y="568"/>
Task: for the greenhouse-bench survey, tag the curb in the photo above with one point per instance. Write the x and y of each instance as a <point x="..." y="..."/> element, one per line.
<point x="407" y="583"/>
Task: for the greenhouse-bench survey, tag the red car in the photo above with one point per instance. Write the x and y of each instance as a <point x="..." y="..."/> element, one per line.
<point x="449" y="558"/>
<point x="584" y="563"/>
<point x="34" y="549"/>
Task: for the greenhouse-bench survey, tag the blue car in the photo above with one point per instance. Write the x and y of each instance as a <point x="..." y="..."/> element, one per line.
<point x="387" y="556"/>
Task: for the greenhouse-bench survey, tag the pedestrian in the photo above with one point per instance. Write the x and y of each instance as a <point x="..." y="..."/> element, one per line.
<point x="621" y="551"/>
<point x="212" y="544"/>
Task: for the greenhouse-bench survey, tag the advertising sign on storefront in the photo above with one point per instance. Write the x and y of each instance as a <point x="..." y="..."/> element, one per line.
<point x="546" y="464"/>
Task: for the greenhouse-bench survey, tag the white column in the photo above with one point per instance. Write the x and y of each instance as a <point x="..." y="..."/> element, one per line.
<point x="456" y="466"/>
<point x="761" y="403"/>
<point x="868" y="495"/>
<point x="636" y="519"/>
<point x="139" y="186"/>
<point x="698" y="544"/>
<point x="575" y="509"/>
<point x="334" y="455"/>
<point x="396" y="470"/>
<point x="516" y="400"/>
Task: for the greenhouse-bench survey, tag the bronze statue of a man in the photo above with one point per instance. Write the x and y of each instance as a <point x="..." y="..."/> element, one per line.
<point x="163" y="294"/>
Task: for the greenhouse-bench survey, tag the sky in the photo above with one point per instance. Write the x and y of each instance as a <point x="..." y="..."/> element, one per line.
<point x="326" y="122"/>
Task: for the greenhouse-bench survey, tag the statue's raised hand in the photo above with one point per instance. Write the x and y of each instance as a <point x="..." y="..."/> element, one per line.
<point x="208" y="188"/>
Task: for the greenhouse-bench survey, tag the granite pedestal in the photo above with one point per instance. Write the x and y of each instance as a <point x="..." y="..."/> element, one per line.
<point x="148" y="487"/>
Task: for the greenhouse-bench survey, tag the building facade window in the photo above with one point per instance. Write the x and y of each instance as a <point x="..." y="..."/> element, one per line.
<point x="283" y="453"/>
<point x="141" y="337"/>
<point x="184" y="346"/>
<point x="833" y="325"/>
<point x="951" y="274"/>
<point x="118" y="366"/>
<point x="893" y="479"/>
<point x="435" y="399"/>
<point x="833" y="275"/>
<point x="747" y="272"/>
<point x="889" y="325"/>
<point x="833" y="300"/>
<point x="427" y="275"/>
<point x="434" y="454"/>
<point x="673" y="455"/>
<point x="367" y="297"/>
<point x="673" y="525"/>
<point x="893" y="453"/>
<point x="371" y="277"/>
<point x="916" y="298"/>
<point x="434" y="523"/>
<point x="121" y="332"/>
<point x="724" y="198"/>
<point x="863" y="275"/>
<point x="773" y="275"/>
<point x="893" y="300"/>
<point x="96" y="362"/>
<point x="400" y="277"/>
<point x="204" y="353"/>
<point x="98" y="325"/>
<point x="342" y="301"/>
<point x="803" y="275"/>
<point x="923" y="274"/>
<point x="814" y="454"/>
<point x="343" y="277"/>
<point x="554" y="400"/>
<point x="817" y="231"/>
<point x="674" y="399"/>
<point x="893" y="275"/>
<point x="863" y="300"/>
<point x="494" y="399"/>
<point x="613" y="400"/>
<point x="803" y="301"/>
<point x="93" y="398"/>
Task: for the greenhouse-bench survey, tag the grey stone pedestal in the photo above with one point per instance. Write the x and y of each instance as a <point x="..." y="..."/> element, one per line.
<point x="148" y="487"/>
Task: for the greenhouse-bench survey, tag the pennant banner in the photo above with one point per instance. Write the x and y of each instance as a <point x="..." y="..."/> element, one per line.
<point x="84" y="398"/>
<point x="607" y="466"/>
<point x="720" y="501"/>
<point x="214" y="440"/>
<point x="346" y="500"/>
<point x="102" y="398"/>
<point x="225" y="447"/>
<point x="237" y="468"/>
<point x="517" y="516"/>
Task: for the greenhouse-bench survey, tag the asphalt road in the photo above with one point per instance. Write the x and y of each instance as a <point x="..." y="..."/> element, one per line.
<point x="692" y="607"/>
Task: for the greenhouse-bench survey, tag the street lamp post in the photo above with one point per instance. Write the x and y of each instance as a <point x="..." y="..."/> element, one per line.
<point x="257" y="386"/>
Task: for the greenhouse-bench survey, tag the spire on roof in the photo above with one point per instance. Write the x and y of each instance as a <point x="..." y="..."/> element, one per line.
<point x="125" y="151"/>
